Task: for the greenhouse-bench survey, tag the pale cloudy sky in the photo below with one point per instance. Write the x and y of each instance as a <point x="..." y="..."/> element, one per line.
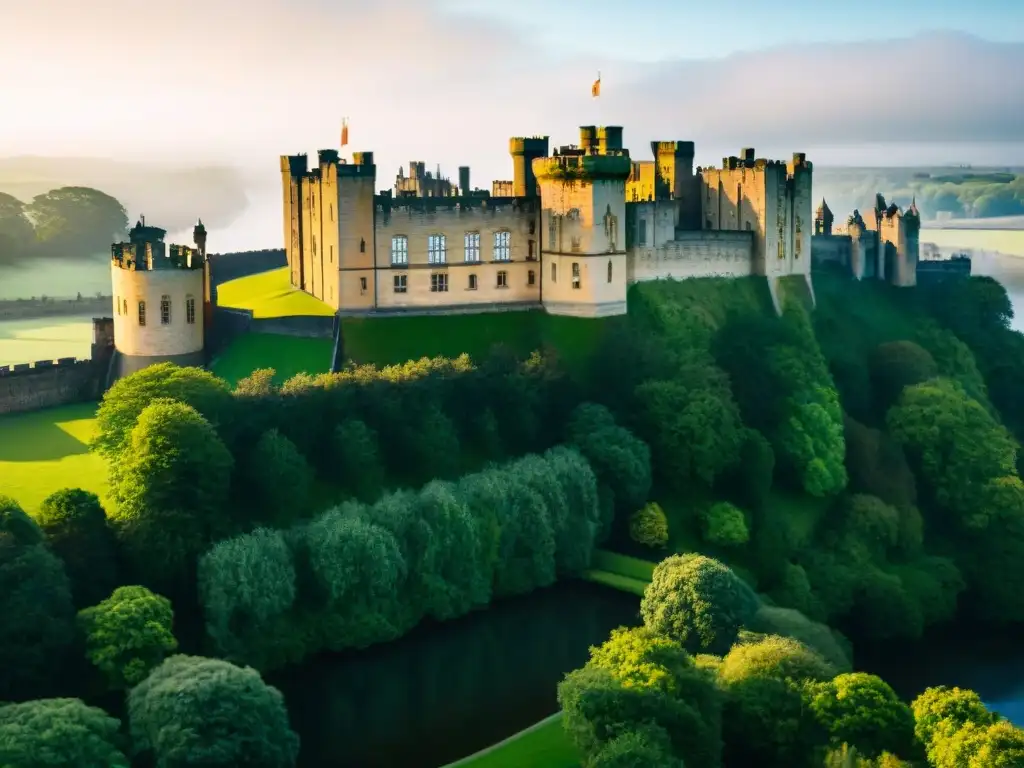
<point x="448" y="81"/>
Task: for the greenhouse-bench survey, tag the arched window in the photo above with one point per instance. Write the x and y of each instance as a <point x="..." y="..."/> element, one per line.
<point x="125" y="301"/>
<point x="190" y="310"/>
<point x="609" y="270"/>
<point x="165" y="310"/>
<point x="142" y="313"/>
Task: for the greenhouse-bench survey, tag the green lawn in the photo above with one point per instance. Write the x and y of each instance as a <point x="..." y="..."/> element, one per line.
<point x="45" y="451"/>
<point x="621" y="572"/>
<point x="270" y="294"/>
<point x="288" y="355"/>
<point x="543" y="745"/>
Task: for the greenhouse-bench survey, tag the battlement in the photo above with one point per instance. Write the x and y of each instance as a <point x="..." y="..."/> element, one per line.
<point x="529" y="145"/>
<point x="572" y="166"/>
<point x="144" y="256"/>
<point x="748" y="160"/>
<point x="326" y="156"/>
<point x="387" y="205"/>
<point x="674" y="148"/>
<point x="40" y="366"/>
<point x="296" y="165"/>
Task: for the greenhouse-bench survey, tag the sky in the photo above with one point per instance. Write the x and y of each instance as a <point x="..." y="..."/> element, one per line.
<point x="448" y="81"/>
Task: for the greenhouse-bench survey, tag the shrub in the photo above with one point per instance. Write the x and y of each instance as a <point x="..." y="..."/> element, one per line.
<point x="277" y="478"/>
<point x="649" y="526"/>
<point x="698" y="602"/>
<point x="75" y="527"/>
<point x="863" y="711"/>
<point x="128" y="634"/>
<point x="55" y="733"/>
<point x="725" y="525"/>
<point x="197" y="712"/>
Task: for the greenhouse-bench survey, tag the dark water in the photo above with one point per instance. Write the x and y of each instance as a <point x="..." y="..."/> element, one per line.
<point x="448" y="690"/>
<point x="988" y="661"/>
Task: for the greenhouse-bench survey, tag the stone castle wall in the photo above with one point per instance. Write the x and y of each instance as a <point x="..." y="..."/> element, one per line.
<point x="47" y="383"/>
<point x="695" y="254"/>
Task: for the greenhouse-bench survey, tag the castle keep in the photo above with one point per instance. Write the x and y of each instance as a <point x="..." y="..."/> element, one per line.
<point x="569" y="233"/>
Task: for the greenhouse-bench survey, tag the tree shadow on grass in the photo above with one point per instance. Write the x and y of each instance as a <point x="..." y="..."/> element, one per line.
<point x="38" y="437"/>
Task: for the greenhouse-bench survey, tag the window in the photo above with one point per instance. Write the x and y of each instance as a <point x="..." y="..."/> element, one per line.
<point x="362" y="285"/>
<point x="502" y="246"/>
<point x="332" y="211"/>
<point x="533" y="226"/>
<point x="554" y="273"/>
<point x="142" y="313"/>
<point x="125" y="301"/>
<point x="190" y="310"/>
<point x="503" y="279"/>
<point x="531" y="250"/>
<point x="400" y="283"/>
<point x="437" y="250"/>
<point x="531" y="278"/>
<point x="472" y="283"/>
<point x="362" y="245"/>
<point x="552" y="234"/>
<point x="574" y="244"/>
<point x="332" y="254"/>
<point x="609" y="270"/>
<point x="165" y="310"/>
<point x="399" y="249"/>
<point x="642" y="233"/>
<point x="439" y="281"/>
<point x="314" y="243"/>
<point x="472" y="247"/>
<point x="575" y="275"/>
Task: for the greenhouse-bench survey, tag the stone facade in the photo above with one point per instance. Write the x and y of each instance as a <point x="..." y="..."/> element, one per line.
<point x="569" y="232"/>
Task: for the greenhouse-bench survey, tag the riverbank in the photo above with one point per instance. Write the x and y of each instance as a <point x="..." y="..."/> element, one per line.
<point x="44" y="307"/>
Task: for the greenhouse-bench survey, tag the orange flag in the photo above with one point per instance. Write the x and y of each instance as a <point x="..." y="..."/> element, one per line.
<point x="595" y="89"/>
<point x="344" y="132"/>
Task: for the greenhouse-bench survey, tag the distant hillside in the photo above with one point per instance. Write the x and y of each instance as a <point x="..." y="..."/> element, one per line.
<point x="960" y="193"/>
<point x="170" y="197"/>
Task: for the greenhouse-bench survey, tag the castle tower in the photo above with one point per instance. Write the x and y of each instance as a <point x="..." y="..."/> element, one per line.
<point x="294" y="169"/>
<point x="355" y="274"/>
<point x="823" y="219"/>
<point x="583" y="194"/>
<point x="464" y="180"/>
<point x="863" y="253"/>
<point x="524" y="151"/>
<point x="158" y="292"/>
<point x="199" y="238"/>
<point x="674" y="179"/>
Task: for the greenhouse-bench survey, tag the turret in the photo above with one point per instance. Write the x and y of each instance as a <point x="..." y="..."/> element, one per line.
<point x="524" y="151"/>
<point x="823" y="219"/>
<point x="199" y="237"/>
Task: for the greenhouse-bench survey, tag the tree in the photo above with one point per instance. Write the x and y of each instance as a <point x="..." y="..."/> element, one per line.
<point x="278" y="478"/>
<point x="357" y="460"/>
<point x="128" y="634"/>
<point x="820" y="638"/>
<point x="725" y="525"/>
<point x="128" y="397"/>
<point x="247" y="584"/>
<point x="597" y="708"/>
<point x="75" y="527"/>
<point x="957" y="444"/>
<point x="192" y="711"/>
<point x="767" y="719"/>
<point x="171" y="488"/>
<point x="897" y="365"/>
<point x="941" y="711"/>
<point x="35" y="601"/>
<point x="649" y="526"/>
<point x="77" y="221"/>
<point x="645" y="747"/>
<point x="695" y="435"/>
<point x="698" y="602"/>
<point x="259" y="383"/>
<point x="863" y="711"/>
<point x="55" y="733"/>
<point x="17" y="235"/>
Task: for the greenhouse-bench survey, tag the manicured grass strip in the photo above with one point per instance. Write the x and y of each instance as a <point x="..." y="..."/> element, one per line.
<point x="288" y="355"/>
<point x="393" y="340"/>
<point x="47" y="450"/>
<point x="623" y="565"/>
<point x="542" y="745"/>
<point x="270" y="294"/>
<point x="615" y="581"/>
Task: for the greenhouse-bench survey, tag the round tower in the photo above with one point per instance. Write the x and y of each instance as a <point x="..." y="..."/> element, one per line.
<point x="524" y="151"/>
<point x="158" y="293"/>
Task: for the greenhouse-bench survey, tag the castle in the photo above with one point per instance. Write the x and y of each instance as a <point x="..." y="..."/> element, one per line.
<point x="884" y="245"/>
<point x="570" y="232"/>
<point x="161" y="296"/>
